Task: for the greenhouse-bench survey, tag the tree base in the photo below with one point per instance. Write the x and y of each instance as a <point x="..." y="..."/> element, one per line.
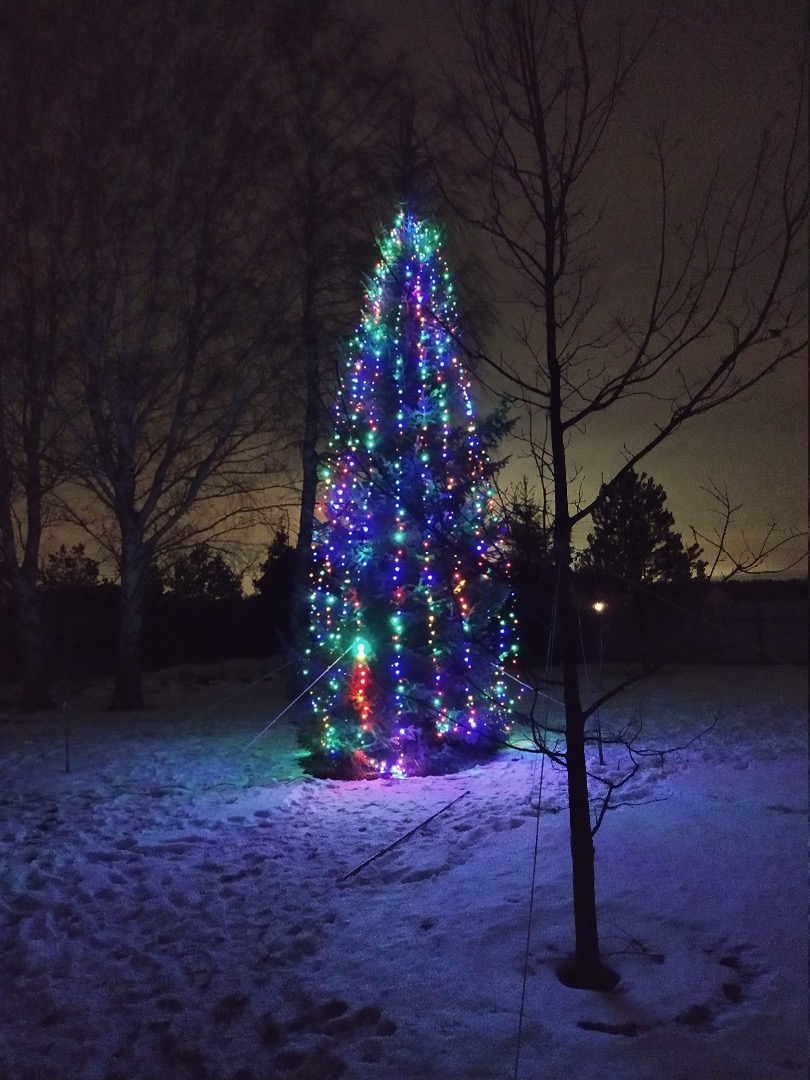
<point x="36" y="699"/>
<point x="431" y="761"/>
<point x="126" y="700"/>
<point x="597" y="976"/>
<point x="342" y="766"/>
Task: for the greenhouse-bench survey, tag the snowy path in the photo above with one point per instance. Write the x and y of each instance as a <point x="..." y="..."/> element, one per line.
<point x="173" y="908"/>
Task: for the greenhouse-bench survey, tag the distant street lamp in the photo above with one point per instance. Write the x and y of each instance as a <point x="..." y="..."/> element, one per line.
<point x="599" y="607"/>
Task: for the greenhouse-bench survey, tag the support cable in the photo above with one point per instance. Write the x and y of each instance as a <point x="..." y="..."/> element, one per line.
<point x="549" y="655"/>
<point x="237" y="693"/>
<point x="528" y="686"/>
<point x="306" y="690"/>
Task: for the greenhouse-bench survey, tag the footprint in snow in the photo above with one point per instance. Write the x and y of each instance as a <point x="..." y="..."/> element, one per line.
<point x="502" y="825"/>
<point x="739" y="975"/>
<point x="356" y="1033"/>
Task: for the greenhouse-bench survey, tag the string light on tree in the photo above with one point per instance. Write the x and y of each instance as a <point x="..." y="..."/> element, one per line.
<point x="407" y="562"/>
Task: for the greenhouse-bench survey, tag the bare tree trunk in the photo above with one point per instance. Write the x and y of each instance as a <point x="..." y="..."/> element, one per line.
<point x="586" y="968"/>
<point x="23" y="576"/>
<point x="35" y="694"/>
<point x="339" y="106"/>
<point x="128" y="690"/>
<point x="309" y="472"/>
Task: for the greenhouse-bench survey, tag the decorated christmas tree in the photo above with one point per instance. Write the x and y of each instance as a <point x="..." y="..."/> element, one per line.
<point x="411" y="622"/>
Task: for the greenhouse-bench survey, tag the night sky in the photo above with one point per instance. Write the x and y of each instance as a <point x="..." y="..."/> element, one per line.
<point x="716" y="73"/>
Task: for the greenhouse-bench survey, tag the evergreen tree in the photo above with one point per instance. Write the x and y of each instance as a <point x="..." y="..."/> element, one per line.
<point x="633" y="537"/>
<point x="203" y="574"/>
<point x="275" y="584"/>
<point x="276" y="572"/>
<point x="69" y="569"/>
<point x="529" y="544"/>
<point x="410" y="606"/>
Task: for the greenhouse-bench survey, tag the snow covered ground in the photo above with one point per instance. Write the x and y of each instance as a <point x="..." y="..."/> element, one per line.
<point x="174" y="905"/>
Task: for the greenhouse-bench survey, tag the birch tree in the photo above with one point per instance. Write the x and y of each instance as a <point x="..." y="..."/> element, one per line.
<point x="174" y="296"/>
<point x="33" y="335"/>
<point x="721" y="308"/>
<point x="340" y="97"/>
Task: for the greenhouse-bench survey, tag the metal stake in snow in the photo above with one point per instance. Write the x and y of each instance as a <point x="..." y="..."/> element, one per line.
<point x="67" y="735"/>
<point x="405" y="836"/>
